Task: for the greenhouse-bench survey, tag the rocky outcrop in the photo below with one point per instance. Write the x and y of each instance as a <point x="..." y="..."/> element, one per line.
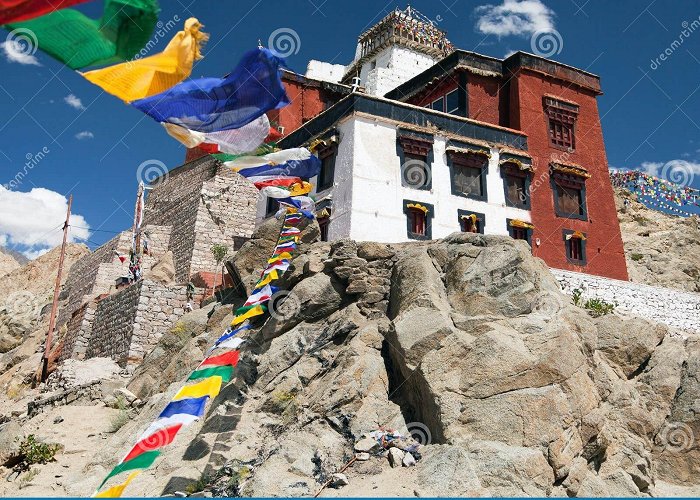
<point x="466" y="344"/>
<point x="660" y="249"/>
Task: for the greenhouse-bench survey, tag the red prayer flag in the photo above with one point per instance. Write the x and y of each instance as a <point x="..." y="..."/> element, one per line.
<point x="227" y="358"/>
<point x="12" y="11"/>
<point x="156" y="440"/>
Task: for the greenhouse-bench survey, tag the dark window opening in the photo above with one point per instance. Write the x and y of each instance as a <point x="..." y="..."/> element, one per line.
<point x="471" y="222"/>
<point x="327" y="174"/>
<point x="452" y="102"/>
<point x="323" y="223"/>
<point x="518" y="233"/>
<point x="415" y="154"/>
<point x="519" y="230"/>
<point x="561" y="118"/>
<point x="516" y="191"/>
<point x="272" y="207"/>
<point x="468" y="175"/>
<point x="438" y="104"/>
<point x="575" y="245"/>
<point x="416" y="218"/>
<point x="570" y="200"/>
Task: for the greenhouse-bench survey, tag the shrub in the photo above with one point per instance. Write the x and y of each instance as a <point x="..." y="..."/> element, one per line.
<point x="637" y="257"/>
<point x="33" y="452"/>
<point x="576" y="295"/>
<point x="598" y="307"/>
<point x="121" y="418"/>
<point x="199" y="484"/>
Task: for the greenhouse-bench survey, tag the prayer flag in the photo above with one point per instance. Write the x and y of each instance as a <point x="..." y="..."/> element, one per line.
<point x="282" y="256"/>
<point x="158" y="439"/>
<point x="264" y="294"/>
<point x="234" y="141"/>
<point x="211" y="104"/>
<point x="297" y="162"/>
<point x="256" y="311"/>
<point x="207" y="387"/>
<point x="143" y="461"/>
<point x="193" y="406"/>
<point x="78" y="41"/>
<point x="153" y="74"/>
<point x="163" y="423"/>
<point x="225" y="372"/>
<point x="233" y="343"/>
<point x="227" y="358"/>
<point x="116" y="491"/>
<point x="242" y="327"/>
<point x="269" y="278"/>
<point x="13" y="11"/>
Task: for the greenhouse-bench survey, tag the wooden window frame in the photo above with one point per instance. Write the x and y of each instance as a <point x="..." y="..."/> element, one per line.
<point x="512" y="170"/>
<point x="568" y="250"/>
<point x="512" y="231"/>
<point x="561" y="115"/>
<point x="569" y="181"/>
<point x="407" y="210"/>
<point x="480" y="220"/>
<point x="457" y="160"/>
<point x="418" y="145"/>
<point x="329" y="153"/>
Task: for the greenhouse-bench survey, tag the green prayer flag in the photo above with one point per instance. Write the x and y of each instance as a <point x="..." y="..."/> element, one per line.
<point x="225" y="372"/>
<point x="244" y="309"/>
<point x="142" y="461"/>
<point x="78" y="41"/>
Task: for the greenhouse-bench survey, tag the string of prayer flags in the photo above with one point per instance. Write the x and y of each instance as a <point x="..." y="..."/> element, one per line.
<point x="71" y="37"/>
<point x="189" y="402"/>
<point x="147" y="76"/>
<point x="212" y="104"/>
<point x="234" y="141"/>
<point x="294" y="162"/>
<point x="14" y="11"/>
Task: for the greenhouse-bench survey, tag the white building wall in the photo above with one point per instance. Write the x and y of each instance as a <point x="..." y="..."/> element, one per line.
<point x="394" y="66"/>
<point x="377" y="193"/>
<point x="327" y="72"/>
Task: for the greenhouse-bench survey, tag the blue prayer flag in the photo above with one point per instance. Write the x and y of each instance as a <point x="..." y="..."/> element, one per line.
<point x="191" y="406"/>
<point x="212" y="104"/>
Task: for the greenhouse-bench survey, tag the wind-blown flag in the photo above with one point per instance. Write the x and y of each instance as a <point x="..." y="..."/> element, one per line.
<point x="116" y="491"/>
<point x="295" y="162"/>
<point x="78" y="41"/>
<point x="233" y="343"/>
<point x="227" y="358"/>
<point x="13" y="11"/>
<point x="234" y="141"/>
<point x="262" y="296"/>
<point x="258" y="310"/>
<point x="207" y="387"/>
<point x="225" y="372"/>
<point x="212" y="104"/>
<point x="158" y="439"/>
<point x="192" y="406"/>
<point x="142" y="461"/>
<point x="153" y="74"/>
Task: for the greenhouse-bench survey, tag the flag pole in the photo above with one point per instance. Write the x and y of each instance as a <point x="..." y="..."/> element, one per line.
<point x="54" y="305"/>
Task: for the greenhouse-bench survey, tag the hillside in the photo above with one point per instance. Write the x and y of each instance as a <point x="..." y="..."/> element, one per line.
<point x="7" y="262"/>
<point x="498" y="385"/>
<point x="660" y="249"/>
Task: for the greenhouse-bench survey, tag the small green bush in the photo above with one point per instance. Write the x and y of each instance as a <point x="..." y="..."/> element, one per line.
<point x="637" y="257"/>
<point x="199" y="485"/>
<point x="576" y="295"/>
<point x="120" y="419"/>
<point x="598" y="307"/>
<point x="33" y="452"/>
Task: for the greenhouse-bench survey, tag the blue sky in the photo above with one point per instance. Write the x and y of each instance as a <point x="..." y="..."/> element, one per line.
<point x="82" y="141"/>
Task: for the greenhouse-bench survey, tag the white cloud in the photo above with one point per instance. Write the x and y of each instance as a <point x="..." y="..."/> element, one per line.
<point x="85" y="134"/>
<point x="33" y="220"/>
<point x="514" y="17"/>
<point x="17" y="53"/>
<point x="74" y="101"/>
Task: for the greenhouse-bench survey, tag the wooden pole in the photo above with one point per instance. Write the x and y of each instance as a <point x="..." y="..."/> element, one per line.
<point x="56" y="291"/>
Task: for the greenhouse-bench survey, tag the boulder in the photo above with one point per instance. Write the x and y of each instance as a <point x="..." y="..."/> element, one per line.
<point x="163" y="271"/>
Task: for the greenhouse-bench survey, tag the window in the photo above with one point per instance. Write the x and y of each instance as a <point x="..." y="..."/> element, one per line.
<point x="323" y="223"/>
<point x="516" y="192"/>
<point x="575" y="245"/>
<point x="471" y="222"/>
<point x="415" y="152"/>
<point x="561" y="118"/>
<point x="326" y="176"/>
<point x="452" y="102"/>
<point x="468" y="174"/>
<point x="569" y="188"/>
<point x="570" y="200"/>
<point x="272" y="207"/>
<point x="418" y="216"/>
<point x="438" y="104"/>
<point x="520" y="230"/>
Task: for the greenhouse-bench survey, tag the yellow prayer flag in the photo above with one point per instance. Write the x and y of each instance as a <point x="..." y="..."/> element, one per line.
<point x="298" y="189"/>
<point x="154" y="74"/>
<point x="250" y="313"/>
<point x="282" y="256"/>
<point x="207" y="387"/>
<point x="269" y="278"/>
<point x="116" y="491"/>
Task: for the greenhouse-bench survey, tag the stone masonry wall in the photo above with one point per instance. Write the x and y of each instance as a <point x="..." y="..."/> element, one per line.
<point x="174" y="202"/>
<point x="226" y="211"/>
<point x="113" y="325"/>
<point x="158" y="310"/>
<point x="664" y="305"/>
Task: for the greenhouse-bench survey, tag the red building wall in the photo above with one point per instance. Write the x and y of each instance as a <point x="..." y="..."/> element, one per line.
<point x="483" y="98"/>
<point x="604" y="248"/>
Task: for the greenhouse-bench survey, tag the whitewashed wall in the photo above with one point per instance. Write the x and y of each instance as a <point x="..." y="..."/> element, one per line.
<point x="394" y="66"/>
<point x="377" y="193"/>
<point x="663" y="305"/>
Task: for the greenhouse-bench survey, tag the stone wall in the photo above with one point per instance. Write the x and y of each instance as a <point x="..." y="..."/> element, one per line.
<point x="664" y="305"/>
<point x="113" y="325"/>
